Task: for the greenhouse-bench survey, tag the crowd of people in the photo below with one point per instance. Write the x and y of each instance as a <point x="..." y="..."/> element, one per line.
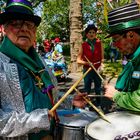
<point x="27" y="88"/>
<point x="48" y="47"/>
<point x="54" y="58"/>
<point x="53" y="49"/>
<point x="113" y="52"/>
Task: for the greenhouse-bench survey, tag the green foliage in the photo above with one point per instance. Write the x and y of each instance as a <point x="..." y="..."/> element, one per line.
<point x="112" y="69"/>
<point x="55" y="19"/>
<point x="88" y="11"/>
<point x="66" y="49"/>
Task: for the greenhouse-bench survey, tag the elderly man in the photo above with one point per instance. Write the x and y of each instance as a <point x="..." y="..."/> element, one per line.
<point x="25" y="85"/>
<point x="124" y="28"/>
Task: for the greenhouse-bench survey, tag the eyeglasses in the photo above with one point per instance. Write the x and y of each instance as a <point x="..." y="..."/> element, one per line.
<point x="20" y="23"/>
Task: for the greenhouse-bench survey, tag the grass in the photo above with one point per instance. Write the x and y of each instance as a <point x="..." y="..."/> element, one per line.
<point x="112" y="69"/>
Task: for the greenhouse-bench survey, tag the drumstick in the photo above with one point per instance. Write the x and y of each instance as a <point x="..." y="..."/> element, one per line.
<point x="94" y="107"/>
<point x="69" y="91"/>
<point x="90" y="95"/>
<point x="94" y="68"/>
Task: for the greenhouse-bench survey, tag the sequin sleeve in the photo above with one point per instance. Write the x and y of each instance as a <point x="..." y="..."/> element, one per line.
<point x="14" y="124"/>
<point x="14" y="121"/>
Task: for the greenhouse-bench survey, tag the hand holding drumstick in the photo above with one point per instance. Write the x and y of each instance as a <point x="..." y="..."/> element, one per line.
<point x="94" y="107"/>
<point x="109" y="90"/>
<point x="68" y="92"/>
<point x="79" y="101"/>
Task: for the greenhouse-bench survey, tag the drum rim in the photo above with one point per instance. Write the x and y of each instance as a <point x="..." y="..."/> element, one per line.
<point x="81" y="112"/>
<point x="116" y="112"/>
<point x="89" y="137"/>
<point x="69" y="126"/>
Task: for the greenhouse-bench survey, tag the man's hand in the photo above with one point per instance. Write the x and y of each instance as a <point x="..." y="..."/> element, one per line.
<point x="51" y="114"/>
<point x="109" y="91"/>
<point x="78" y="100"/>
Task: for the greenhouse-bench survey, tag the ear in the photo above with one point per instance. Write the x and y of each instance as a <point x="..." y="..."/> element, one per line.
<point x="130" y="34"/>
<point x="3" y="30"/>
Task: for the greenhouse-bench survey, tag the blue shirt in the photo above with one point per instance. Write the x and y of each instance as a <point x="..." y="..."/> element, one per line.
<point x="58" y="48"/>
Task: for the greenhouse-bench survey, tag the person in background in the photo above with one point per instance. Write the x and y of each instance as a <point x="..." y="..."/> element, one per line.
<point x="58" y="47"/>
<point x="91" y="48"/>
<point x="25" y="86"/>
<point x="47" y="46"/>
<point x="113" y="52"/>
<point x="125" y="32"/>
<point x="48" y="49"/>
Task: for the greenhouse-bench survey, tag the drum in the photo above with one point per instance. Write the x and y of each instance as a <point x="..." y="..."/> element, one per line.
<point x="72" y="124"/>
<point x="123" y="126"/>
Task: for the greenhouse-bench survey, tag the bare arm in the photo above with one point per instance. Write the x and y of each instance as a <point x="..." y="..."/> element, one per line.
<point x="80" y="59"/>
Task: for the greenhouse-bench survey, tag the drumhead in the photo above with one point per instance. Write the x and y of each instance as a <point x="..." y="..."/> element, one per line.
<point x="123" y="126"/>
<point x="76" y="117"/>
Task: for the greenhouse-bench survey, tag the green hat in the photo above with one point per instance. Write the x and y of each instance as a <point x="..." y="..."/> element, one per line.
<point x="124" y="18"/>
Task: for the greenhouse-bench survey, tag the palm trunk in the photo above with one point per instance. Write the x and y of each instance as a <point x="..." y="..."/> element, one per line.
<point x="75" y="18"/>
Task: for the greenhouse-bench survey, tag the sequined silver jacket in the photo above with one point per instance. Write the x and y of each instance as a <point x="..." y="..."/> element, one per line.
<point x="14" y="121"/>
